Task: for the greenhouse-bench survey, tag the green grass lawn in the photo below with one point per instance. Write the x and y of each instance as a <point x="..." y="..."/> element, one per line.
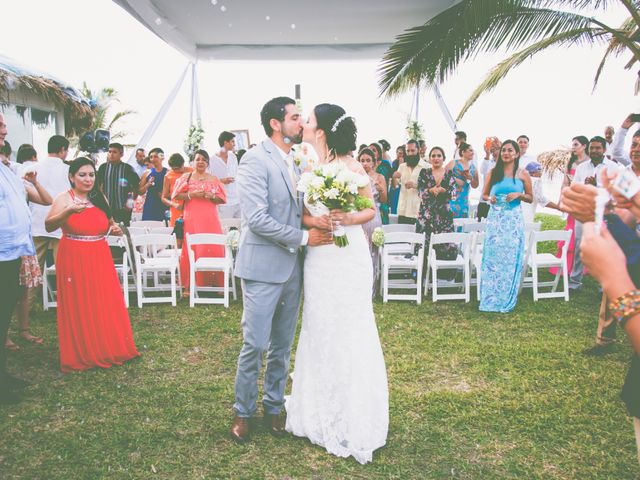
<point x="472" y="396"/>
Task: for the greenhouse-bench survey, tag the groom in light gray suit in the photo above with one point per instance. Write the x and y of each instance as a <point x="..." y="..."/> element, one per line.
<point x="269" y="263"/>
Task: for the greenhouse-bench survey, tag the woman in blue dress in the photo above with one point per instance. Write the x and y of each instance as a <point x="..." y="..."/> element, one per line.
<point x="465" y="174"/>
<point x="151" y="183"/>
<point x="503" y="252"/>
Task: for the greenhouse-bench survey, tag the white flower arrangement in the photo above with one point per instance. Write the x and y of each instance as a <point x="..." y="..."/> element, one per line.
<point x="377" y="237"/>
<point x="232" y="239"/>
<point x="335" y="187"/>
<point x="195" y="136"/>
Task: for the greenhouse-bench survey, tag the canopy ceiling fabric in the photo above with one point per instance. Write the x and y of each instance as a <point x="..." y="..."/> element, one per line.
<point x="281" y="29"/>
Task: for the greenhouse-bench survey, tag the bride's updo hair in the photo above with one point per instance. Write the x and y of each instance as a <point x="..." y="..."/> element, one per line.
<point x="340" y="129"/>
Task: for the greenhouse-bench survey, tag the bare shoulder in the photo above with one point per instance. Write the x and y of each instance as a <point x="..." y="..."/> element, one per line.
<point x="523" y="174"/>
<point x="355" y="166"/>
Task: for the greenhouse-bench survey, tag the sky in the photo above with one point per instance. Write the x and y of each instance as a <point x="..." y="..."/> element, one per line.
<point x="549" y="98"/>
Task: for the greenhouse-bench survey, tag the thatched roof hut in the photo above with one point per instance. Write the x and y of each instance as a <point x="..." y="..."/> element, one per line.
<point x="45" y="97"/>
<point x="554" y="161"/>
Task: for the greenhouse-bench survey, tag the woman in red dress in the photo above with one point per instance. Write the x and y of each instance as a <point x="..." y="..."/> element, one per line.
<point x="201" y="193"/>
<point x="93" y="322"/>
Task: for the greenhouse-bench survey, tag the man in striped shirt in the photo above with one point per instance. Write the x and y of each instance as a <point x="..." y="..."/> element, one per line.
<point x="119" y="183"/>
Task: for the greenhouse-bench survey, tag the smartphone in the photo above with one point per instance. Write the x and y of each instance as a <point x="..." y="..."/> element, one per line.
<point x="635" y="117"/>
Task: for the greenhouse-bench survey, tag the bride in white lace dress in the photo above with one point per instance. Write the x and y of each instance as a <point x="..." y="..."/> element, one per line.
<point x="339" y="398"/>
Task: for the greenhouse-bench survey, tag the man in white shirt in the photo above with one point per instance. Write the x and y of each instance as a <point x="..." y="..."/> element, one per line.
<point x="608" y="136"/>
<point x="53" y="175"/>
<point x="588" y="173"/>
<point x="407" y="178"/>
<point x="539" y="198"/>
<point x="617" y="146"/>
<point x="139" y="163"/>
<point x="525" y="157"/>
<point x="224" y="165"/>
<point x="461" y="137"/>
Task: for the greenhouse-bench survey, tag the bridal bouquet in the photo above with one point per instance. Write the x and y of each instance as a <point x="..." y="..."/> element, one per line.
<point x="377" y="237"/>
<point x="333" y="186"/>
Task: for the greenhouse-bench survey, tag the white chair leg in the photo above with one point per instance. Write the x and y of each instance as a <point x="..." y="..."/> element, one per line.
<point x="534" y="271"/>
<point x="173" y="287"/>
<point x="565" y="281"/>
<point x="125" y="285"/>
<point x="139" y="287"/>
<point x="419" y="287"/>
<point x="434" y="283"/>
<point x="192" y="286"/>
<point x="225" y="291"/>
<point x="385" y="285"/>
<point x="467" y="283"/>
<point x="478" y="281"/>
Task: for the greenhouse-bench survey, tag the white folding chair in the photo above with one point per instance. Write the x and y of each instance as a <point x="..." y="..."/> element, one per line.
<point x="461" y="262"/>
<point x="229" y="223"/>
<point x="474" y="226"/>
<point x="163" y="229"/>
<point x="398" y="227"/>
<point x="147" y="224"/>
<point x="400" y="258"/>
<point x="476" y="260"/>
<point x="134" y="231"/>
<point x="546" y="260"/>
<point x="49" y="289"/>
<point x="145" y="248"/>
<point x="459" y="223"/>
<point x="209" y="264"/>
<point x="122" y="268"/>
<point x="393" y="219"/>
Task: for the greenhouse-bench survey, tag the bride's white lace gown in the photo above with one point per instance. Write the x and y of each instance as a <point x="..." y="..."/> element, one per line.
<point x="339" y="398"/>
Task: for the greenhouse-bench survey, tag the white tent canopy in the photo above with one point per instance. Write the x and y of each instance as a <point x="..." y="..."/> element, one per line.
<point x="281" y="29"/>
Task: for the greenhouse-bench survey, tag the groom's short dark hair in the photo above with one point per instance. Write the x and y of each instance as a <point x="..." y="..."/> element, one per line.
<point x="274" y="109"/>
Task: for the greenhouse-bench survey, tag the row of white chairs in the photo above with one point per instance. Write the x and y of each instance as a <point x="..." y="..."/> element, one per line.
<point x="402" y="261"/>
<point x="155" y="252"/>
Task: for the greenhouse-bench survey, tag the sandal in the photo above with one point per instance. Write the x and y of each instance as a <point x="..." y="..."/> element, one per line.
<point x="9" y="345"/>
<point x="31" y="338"/>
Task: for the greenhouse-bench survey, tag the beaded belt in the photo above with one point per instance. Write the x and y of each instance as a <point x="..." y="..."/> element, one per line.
<point x="85" y="238"/>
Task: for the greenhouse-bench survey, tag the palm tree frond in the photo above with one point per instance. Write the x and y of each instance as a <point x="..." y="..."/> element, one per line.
<point x="581" y="35"/>
<point x="432" y="51"/>
<point x="615" y="48"/>
<point x="120" y="115"/>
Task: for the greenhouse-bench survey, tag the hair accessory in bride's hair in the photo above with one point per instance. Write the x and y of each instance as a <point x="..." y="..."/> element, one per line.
<point x="338" y="122"/>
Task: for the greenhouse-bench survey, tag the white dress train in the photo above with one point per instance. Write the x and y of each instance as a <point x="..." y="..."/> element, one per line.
<point x="339" y="398"/>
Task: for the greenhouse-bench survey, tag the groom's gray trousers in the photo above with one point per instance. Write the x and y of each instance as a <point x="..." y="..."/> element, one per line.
<point x="268" y="325"/>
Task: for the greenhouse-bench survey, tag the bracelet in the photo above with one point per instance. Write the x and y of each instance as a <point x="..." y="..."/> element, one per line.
<point x="625" y="306"/>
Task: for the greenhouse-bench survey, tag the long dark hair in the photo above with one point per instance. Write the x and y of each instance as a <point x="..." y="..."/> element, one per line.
<point x="341" y="135"/>
<point x="497" y="174"/>
<point x="582" y="140"/>
<point x="95" y="195"/>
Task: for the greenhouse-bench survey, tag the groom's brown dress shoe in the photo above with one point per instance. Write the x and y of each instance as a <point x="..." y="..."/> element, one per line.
<point x="275" y="424"/>
<point x="240" y="429"/>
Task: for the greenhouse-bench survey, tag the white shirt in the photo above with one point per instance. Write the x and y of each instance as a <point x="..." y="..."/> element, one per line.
<point x="222" y="169"/>
<point x="526" y="159"/>
<point x="53" y="175"/>
<point x="139" y="169"/>
<point x="587" y="169"/>
<point x="617" y="147"/>
<point x="539" y="198"/>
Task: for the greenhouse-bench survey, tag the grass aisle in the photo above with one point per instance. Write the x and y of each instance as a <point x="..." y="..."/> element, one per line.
<point x="471" y="396"/>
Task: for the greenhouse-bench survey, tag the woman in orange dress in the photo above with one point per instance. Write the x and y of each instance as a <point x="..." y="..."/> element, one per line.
<point x="177" y="169"/>
<point x="93" y="322"/>
<point x="201" y="193"/>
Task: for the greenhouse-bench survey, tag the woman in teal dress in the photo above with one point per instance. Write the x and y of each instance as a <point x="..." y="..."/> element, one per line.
<point x="503" y="252"/>
<point x="465" y="174"/>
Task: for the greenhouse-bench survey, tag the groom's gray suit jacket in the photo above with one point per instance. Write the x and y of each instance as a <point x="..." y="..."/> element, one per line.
<point x="271" y="231"/>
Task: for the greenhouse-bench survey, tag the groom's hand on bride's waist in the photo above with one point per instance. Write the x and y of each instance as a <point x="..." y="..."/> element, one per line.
<point x="319" y="237"/>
